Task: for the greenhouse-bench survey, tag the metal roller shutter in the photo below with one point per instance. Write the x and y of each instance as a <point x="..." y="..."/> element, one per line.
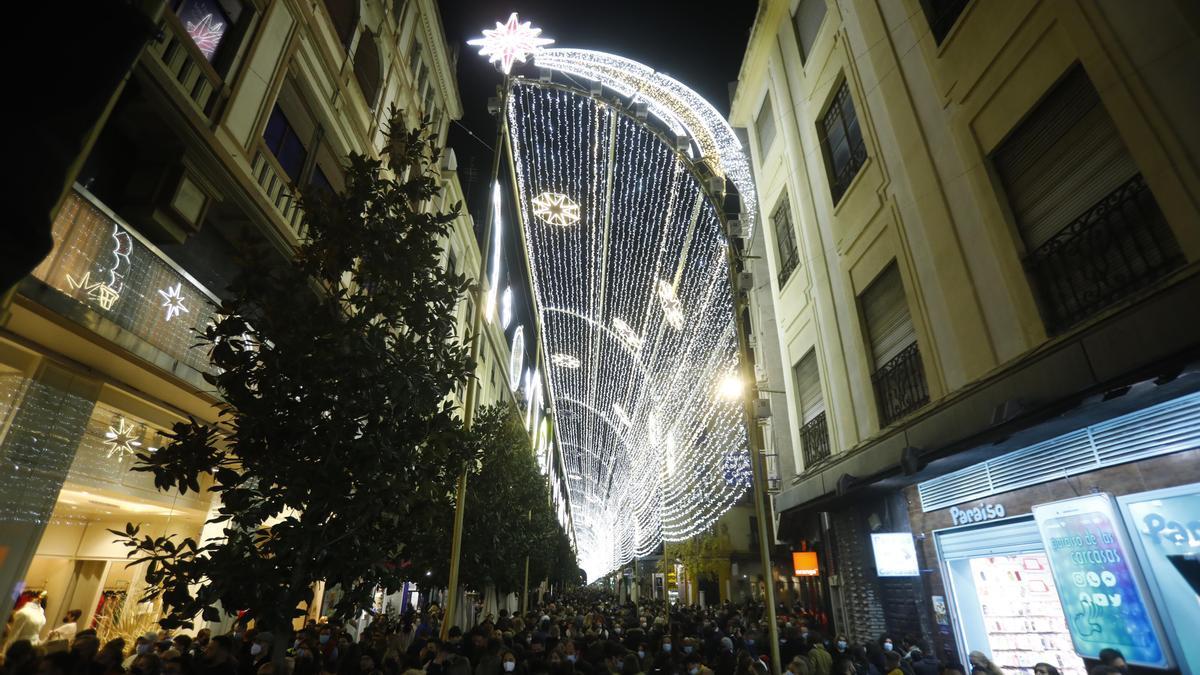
<point x="1009" y="537"/>
<point x="889" y="326"/>
<point x="808" y="386"/>
<point x="1062" y="159"/>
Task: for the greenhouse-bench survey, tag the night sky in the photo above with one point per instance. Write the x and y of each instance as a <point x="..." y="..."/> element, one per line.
<point x="699" y="47"/>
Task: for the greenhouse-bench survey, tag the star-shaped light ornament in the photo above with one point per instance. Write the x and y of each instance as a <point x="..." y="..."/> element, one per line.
<point x="511" y="41"/>
<point x="173" y="300"/>
<point x="122" y="439"/>
<point x="207" y="34"/>
<point x="556" y="209"/>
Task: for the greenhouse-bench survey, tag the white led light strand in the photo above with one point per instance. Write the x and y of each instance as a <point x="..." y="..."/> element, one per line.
<point x="651" y="451"/>
<point x="678" y="106"/>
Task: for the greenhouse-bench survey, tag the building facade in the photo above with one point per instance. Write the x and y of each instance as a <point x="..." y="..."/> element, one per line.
<point x="981" y="231"/>
<point x="236" y="104"/>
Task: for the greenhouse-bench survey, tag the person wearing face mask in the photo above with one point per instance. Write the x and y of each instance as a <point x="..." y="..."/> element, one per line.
<point x="841" y="647"/>
<point x="508" y="663"/>
<point x="260" y="653"/>
<point x="694" y="665"/>
<point x="141" y="646"/>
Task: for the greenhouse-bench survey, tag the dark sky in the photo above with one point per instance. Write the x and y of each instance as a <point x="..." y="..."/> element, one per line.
<point x="698" y="43"/>
<point x="699" y="46"/>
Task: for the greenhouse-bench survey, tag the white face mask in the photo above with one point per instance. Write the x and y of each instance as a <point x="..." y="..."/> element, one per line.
<point x="256" y="649"/>
<point x="510" y="666"/>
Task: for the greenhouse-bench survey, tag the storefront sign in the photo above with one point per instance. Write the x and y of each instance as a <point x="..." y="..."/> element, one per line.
<point x="895" y="554"/>
<point x="1099" y="584"/>
<point x="804" y="564"/>
<point x="978" y="514"/>
<point x="1165" y="526"/>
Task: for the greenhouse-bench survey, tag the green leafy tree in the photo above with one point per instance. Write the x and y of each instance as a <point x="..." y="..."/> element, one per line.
<point x="339" y="444"/>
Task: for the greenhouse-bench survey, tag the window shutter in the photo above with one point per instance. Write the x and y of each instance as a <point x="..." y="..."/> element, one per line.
<point x="889" y="326"/>
<point x="809" y="16"/>
<point x="1062" y="159"/>
<point x="764" y="127"/>
<point x="808" y="387"/>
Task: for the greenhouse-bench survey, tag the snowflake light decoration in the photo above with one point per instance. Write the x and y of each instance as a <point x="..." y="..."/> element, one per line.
<point x="207" y="34"/>
<point x="672" y="308"/>
<point x="173" y="300"/>
<point x="556" y="208"/>
<point x="122" y="439"/>
<point x="510" y="41"/>
<point x="565" y="361"/>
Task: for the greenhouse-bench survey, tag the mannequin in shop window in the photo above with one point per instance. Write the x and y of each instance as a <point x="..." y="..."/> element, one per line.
<point x="28" y="619"/>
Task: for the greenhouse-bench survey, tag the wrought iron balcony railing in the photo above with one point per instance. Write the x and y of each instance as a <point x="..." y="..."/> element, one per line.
<point x="900" y="386"/>
<point x="1118" y="246"/>
<point x="814" y="440"/>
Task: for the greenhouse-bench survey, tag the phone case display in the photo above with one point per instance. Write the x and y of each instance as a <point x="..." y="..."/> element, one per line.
<point x="1024" y="620"/>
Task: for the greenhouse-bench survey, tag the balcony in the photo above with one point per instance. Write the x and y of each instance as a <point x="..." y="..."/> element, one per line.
<point x="814" y="440"/>
<point x="181" y="67"/>
<point x="278" y="189"/>
<point x="102" y="275"/>
<point x="900" y="386"/>
<point x="1120" y="245"/>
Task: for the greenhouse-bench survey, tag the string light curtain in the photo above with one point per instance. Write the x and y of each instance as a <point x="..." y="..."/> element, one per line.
<point x="631" y="284"/>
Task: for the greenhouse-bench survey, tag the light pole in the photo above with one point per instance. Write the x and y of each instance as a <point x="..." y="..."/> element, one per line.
<point x="472" y="394"/>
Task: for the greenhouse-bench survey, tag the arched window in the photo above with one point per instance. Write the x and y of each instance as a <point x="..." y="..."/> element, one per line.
<point x="345" y="18"/>
<point x="366" y="67"/>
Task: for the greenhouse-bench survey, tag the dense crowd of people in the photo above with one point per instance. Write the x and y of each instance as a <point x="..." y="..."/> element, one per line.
<point x="585" y="633"/>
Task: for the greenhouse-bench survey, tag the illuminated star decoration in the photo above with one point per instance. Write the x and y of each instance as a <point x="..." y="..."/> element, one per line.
<point x="103" y="295"/>
<point x="556" y="209"/>
<point x="565" y="361"/>
<point x="206" y="34"/>
<point x="671" y="306"/>
<point x="121" y="439"/>
<point x="510" y="41"/>
<point x="173" y="300"/>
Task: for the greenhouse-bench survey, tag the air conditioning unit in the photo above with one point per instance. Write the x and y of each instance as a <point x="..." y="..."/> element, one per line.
<point x="745" y="282"/>
<point x="595" y="88"/>
<point x="762" y="409"/>
<point x="545" y="75"/>
<point x="735" y="228"/>
<point x="641" y="110"/>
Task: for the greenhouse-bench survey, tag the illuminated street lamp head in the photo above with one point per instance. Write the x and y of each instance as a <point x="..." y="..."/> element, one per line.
<point x="730" y="387"/>
<point x="510" y="41"/>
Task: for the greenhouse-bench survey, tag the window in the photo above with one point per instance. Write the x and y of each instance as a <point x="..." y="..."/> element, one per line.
<point x="808" y="18"/>
<point x="785" y="241"/>
<point x="764" y="128"/>
<point x="320" y="182"/>
<point x="344" y="14"/>
<point x="810" y="401"/>
<point x="941" y="15"/>
<point x="283" y="142"/>
<point x="366" y="68"/>
<point x="1092" y="230"/>
<point x="899" y="377"/>
<point x="208" y="22"/>
<point x="842" y="142"/>
<point x="415" y="59"/>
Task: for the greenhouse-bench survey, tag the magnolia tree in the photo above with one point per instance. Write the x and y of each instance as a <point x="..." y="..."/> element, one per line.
<point x="339" y="444"/>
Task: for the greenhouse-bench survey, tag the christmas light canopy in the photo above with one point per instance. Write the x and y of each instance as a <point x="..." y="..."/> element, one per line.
<point x="509" y="42"/>
<point x="636" y="317"/>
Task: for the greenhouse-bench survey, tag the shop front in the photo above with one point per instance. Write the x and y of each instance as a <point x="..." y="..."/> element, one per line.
<point x="1085" y="541"/>
<point x="74" y="561"/>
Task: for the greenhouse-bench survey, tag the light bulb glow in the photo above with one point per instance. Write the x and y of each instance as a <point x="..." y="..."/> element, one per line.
<point x="731" y="387"/>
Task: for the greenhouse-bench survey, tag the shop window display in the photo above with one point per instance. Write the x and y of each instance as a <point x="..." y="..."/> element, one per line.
<point x="1022" y="617"/>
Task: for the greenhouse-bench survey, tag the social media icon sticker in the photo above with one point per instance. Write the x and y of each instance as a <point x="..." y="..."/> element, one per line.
<point x="1115" y="599"/>
<point x="1079" y="579"/>
<point x="1093" y="579"/>
<point x="1100" y="600"/>
<point x="1108" y="578"/>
